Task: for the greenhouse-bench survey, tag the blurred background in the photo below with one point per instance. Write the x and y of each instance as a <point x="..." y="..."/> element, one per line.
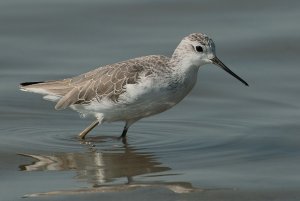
<point x="232" y="140"/>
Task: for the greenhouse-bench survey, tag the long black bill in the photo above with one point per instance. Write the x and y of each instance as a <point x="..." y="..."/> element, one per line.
<point x="219" y="63"/>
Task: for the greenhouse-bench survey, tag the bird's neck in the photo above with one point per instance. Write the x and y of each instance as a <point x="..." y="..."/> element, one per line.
<point x="184" y="67"/>
<point x="182" y="58"/>
<point x="184" y="73"/>
<point x="182" y="63"/>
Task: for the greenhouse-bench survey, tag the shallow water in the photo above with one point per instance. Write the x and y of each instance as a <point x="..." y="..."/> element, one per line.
<point x="225" y="141"/>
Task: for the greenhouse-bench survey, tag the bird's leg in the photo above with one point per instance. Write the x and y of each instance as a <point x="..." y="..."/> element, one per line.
<point x="83" y="133"/>
<point x="126" y="127"/>
<point x="124" y="131"/>
<point x="123" y="136"/>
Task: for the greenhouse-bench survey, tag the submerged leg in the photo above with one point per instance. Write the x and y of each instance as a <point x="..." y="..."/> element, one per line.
<point x="83" y="133"/>
<point x="124" y="131"/>
<point x="126" y="127"/>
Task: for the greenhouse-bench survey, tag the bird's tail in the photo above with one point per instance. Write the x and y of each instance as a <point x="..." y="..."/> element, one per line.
<point x="59" y="87"/>
<point x="24" y="84"/>
<point x="52" y="90"/>
<point x="35" y="87"/>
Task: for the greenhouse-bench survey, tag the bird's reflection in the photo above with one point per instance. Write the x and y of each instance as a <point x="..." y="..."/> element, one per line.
<point x="101" y="168"/>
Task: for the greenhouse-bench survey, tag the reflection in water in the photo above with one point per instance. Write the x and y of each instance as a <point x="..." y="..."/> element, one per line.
<point x="96" y="167"/>
<point x="101" y="168"/>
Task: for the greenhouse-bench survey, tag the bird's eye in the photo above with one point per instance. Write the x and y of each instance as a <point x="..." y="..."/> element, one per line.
<point x="199" y="49"/>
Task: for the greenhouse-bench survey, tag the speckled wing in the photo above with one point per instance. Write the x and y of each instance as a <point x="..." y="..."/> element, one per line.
<point x="109" y="81"/>
<point x="105" y="82"/>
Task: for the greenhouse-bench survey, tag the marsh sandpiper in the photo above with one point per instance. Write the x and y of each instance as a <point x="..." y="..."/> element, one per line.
<point x="131" y="90"/>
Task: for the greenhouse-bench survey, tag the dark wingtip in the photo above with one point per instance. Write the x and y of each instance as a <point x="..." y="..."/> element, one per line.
<point x="29" y="83"/>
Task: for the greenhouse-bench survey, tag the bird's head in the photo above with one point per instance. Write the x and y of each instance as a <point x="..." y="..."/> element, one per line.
<point x="198" y="49"/>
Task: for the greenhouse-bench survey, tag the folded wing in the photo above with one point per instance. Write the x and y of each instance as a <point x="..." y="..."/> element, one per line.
<point x="105" y="82"/>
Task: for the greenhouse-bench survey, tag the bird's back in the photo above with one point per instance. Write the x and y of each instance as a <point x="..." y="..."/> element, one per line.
<point x="107" y="82"/>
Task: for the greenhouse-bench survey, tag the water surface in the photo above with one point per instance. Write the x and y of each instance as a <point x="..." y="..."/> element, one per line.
<point x="225" y="141"/>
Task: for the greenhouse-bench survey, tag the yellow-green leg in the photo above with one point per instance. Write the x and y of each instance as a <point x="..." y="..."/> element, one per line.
<point x="83" y="133"/>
